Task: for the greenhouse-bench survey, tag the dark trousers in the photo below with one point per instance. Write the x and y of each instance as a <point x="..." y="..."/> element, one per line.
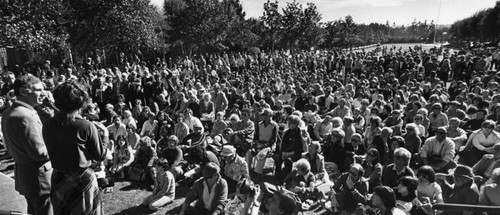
<point x="197" y="211"/>
<point x="283" y="172"/>
<point x="231" y="184"/>
<point x="40" y="205"/>
<point x="470" y="156"/>
<point x="434" y="161"/>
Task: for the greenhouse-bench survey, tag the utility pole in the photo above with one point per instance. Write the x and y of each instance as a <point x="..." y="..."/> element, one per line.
<point x="437" y="20"/>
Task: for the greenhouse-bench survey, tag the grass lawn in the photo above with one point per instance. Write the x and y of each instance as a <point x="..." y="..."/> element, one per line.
<point x="127" y="197"/>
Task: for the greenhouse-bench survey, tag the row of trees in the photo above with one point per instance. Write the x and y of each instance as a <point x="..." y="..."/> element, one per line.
<point x="135" y="26"/>
<point x="482" y="26"/>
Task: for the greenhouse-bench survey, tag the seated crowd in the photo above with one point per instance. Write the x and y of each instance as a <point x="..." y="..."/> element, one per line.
<point x="348" y="132"/>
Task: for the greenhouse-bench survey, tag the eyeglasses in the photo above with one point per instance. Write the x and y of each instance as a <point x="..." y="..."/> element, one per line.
<point x="353" y="173"/>
<point x="444" y="133"/>
<point x="489" y="127"/>
<point x="355" y="141"/>
<point x="399" y="157"/>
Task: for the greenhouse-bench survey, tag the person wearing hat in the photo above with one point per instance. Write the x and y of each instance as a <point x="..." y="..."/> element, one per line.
<point x="462" y="191"/>
<point x="235" y="168"/>
<point x="455" y="111"/>
<point x="438" y="151"/>
<point x="266" y="135"/>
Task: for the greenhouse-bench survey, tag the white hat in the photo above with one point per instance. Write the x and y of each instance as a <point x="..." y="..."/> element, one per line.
<point x="228" y="150"/>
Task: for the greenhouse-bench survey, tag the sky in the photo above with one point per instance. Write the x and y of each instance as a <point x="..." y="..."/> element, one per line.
<point x="380" y="11"/>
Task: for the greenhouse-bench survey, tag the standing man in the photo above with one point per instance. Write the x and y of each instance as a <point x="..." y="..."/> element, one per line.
<point x="22" y="130"/>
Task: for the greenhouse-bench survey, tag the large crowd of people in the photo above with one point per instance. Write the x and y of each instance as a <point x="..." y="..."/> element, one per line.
<point x="389" y="131"/>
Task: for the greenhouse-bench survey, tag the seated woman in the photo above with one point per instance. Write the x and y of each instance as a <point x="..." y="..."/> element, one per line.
<point x="316" y="161"/>
<point x="482" y="142"/>
<point x="428" y="190"/>
<point x="164" y="190"/>
<point x="406" y="195"/>
<point x="122" y="158"/>
<point x="301" y="179"/>
<point x="384" y="199"/>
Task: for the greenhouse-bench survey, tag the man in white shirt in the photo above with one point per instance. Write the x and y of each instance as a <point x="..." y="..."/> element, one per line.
<point x="117" y="128"/>
<point x="323" y="127"/>
<point x="191" y="121"/>
<point x="438" y="151"/>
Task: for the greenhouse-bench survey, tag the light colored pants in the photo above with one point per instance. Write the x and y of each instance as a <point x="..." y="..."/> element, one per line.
<point x="260" y="157"/>
<point x="156" y="202"/>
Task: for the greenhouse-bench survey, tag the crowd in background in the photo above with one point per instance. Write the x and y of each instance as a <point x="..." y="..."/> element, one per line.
<point x="389" y="131"/>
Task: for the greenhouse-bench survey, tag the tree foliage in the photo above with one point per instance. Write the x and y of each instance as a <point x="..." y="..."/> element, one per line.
<point x="135" y="26"/>
<point x="34" y="25"/>
<point x="114" y="25"/>
<point x="204" y="23"/>
<point x="482" y="26"/>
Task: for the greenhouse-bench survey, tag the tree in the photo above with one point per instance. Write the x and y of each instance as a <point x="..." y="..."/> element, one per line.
<point x="202" y="23"/>
<point x="482" y="26"/>
<point x="490" y="23"/>
<point x="272" y="21"/>
<point x="37" y="26"/>
<point x="291" y="21"/>
<point x="115" y="25"/>
<point x="313" y="34"/>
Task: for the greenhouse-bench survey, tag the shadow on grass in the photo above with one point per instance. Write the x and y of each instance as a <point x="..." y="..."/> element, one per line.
<point x="135" y="210"/>
<point x="136" y="186"/>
